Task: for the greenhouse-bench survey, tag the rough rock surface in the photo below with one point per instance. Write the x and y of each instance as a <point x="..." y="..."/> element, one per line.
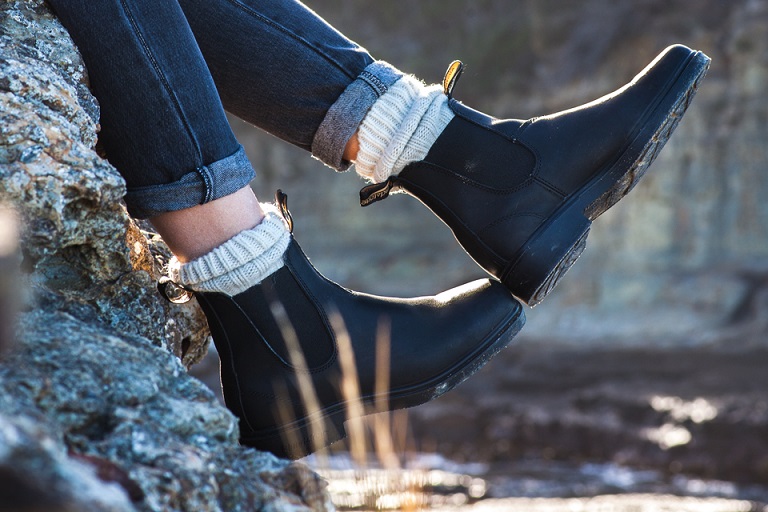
<point x="80" y="247"/>
<point x="97" y="411"/>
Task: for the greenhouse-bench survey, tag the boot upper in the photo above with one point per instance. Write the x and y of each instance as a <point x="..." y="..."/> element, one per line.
<point x="259" y="332"/>
<point x="496" y="182"/>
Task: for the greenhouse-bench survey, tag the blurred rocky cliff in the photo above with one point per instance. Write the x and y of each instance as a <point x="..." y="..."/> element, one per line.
<point x="97" y="411"/>
<point x="683" y="260"/>
<point x="652" y="350"/>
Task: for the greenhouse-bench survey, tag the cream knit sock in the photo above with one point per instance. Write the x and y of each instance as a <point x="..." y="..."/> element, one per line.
<point x="400" y="128"/>
<point x="239" y="263"/>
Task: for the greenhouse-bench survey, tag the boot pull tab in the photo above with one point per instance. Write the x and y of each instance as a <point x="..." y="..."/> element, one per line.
<point x="282" y="202"/>
<point x="452" y="74"/>
<point x="173" y="292"/>
<point x="376" y="192"/>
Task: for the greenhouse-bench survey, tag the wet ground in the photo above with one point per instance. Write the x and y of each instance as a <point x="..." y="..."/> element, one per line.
<point x="432" y="482"/>
<point x="612" y="503"/>
<point x="546" y="427"/>
<point x="696" y="412"/>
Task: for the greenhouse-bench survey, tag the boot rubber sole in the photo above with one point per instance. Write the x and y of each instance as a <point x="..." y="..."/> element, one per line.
<point x="306" y="435"/>
<point x="556" y="245"/>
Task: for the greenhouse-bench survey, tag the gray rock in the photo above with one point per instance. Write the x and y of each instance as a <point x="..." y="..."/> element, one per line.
<point x="119" y="400"/>
<point x="36" y="474"/>
<point x="97" y="411"/>
<point x="80" y="247"/>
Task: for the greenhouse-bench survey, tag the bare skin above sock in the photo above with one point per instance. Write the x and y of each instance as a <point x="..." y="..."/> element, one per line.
<point x="239" y="263"/>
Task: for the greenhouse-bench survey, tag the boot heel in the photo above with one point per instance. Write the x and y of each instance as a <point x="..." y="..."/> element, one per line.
<point x="545" y="259"/>
<point x="559" y="271"/>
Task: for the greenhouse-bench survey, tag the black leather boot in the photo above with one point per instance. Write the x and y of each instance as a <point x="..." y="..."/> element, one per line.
<point x="295" y="328"/>
<point x="520" y="196"/>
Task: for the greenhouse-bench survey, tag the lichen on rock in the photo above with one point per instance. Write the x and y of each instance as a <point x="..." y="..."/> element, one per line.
<point x="76" y="229"/>
<point x="97" y="411"/>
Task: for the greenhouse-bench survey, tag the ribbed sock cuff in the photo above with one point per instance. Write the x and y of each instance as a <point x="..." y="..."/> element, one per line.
<point x="401" y="127"/>
<point x="239" y="263"/>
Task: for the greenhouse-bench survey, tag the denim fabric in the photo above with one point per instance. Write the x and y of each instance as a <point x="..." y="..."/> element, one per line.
<point x="161" y="117"/>
<point x="279" y="66"/>
<point x="165" y="70"/>
<point x="346" y="114"/>
<point x="206" y="183"/>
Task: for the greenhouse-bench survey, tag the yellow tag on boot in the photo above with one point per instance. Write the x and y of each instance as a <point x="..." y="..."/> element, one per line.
<point x="455" y="69"/>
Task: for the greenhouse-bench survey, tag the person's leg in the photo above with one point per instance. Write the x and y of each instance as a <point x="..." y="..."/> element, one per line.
<point x="281" y="67"/>
<point x="277" y="323"/>
<point x="162" y="123"/>
<point x="519" y="196"/>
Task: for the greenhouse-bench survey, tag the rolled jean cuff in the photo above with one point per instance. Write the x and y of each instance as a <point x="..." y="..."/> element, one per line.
<point x="345" y="115"/>
<point x="204" y="184"/>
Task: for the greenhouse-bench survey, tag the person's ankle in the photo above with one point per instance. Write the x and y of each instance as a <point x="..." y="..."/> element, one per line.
<point x="239" y="263"/>
<point x="400" y="128"/>
<point x="192" y="232"/>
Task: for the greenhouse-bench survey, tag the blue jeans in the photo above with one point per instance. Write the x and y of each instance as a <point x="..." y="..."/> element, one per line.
<point x="164" y="71"/>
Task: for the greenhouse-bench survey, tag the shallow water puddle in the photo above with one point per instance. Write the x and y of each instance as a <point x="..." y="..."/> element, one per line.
<point x="430" y="481"/>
